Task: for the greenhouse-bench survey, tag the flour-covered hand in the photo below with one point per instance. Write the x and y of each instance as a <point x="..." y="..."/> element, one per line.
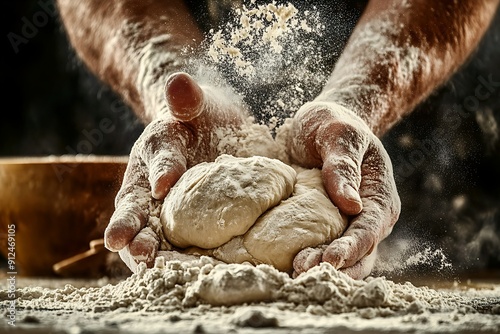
<point x="358" y="176"/>
<point x="183" y="137"/>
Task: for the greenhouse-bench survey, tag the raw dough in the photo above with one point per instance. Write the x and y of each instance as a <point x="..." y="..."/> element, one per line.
<point x="306" y="219"/>
<point x="256" y="210"/>
<point x="214" y="202"/>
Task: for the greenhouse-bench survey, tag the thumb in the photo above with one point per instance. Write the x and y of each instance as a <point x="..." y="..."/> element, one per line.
<point x="342" y="146"/>
<point x="184" y="96"/>
<point x="341" y="180"/>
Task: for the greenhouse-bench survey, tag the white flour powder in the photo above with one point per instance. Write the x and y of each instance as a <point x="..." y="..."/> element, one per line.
<point x="228" y="295"/>
<point x="262" y="27"/>
<point x="271" y="47"/>
<point x="175" y="285"/>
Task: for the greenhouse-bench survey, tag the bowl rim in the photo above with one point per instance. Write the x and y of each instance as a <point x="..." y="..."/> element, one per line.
<point x="64" y="159"/>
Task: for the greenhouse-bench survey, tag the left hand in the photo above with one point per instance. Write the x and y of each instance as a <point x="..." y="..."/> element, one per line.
<point x="357" y="175"/>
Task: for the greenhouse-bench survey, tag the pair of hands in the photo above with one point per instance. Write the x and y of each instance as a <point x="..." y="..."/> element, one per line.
<point x="356" y="171"/>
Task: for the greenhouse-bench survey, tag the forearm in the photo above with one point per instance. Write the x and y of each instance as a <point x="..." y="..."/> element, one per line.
<point x="131" y="45"/>
<point x="400" y="52"/>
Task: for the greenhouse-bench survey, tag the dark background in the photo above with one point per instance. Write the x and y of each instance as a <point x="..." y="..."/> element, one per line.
<point x="50" y="99"/>
<point x="450" y="189"/>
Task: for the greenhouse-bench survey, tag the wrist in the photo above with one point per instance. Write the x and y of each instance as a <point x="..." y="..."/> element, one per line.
<point x="320" y="116"/>
<point x="155" y="66"/>
<point x="359" y="101"/>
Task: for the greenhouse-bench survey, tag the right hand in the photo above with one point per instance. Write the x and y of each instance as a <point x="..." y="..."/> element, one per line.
<point x="168" y="146"/>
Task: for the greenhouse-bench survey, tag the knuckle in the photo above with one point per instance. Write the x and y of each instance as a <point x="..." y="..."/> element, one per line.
<point x="123" y="193"/>
<point x="155" y="136"/>
<point x="148" y="145"/>
<point x="367" y="237"/>
<point x="366" y="232"/>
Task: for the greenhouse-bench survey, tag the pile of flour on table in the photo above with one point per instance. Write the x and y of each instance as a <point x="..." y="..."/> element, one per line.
<point x="257" y="296"/>
<point x="175" y="285"/>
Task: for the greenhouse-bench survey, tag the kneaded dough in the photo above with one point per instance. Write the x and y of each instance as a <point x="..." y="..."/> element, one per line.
<point x="214" y="202"/>
<point x="306" y="219"/>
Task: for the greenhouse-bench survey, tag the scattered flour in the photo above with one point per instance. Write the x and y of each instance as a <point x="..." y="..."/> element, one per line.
<point x="405" y="255"/>
<point x="267" y="48"/>
<point x="252" y="139"/>
<point x="264" y="26"/>
<point x="229" y="295"/>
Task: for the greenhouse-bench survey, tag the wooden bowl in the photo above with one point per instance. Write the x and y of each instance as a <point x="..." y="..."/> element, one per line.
<point x="57" y="205"/>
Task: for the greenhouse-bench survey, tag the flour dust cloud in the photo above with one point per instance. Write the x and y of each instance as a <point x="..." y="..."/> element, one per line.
<point x="270" y="55"/>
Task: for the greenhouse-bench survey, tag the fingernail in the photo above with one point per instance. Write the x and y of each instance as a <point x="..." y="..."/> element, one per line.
<point x="337" y="262"/>
<point x="340" y="264"/>
<point x="161" y="186"/>
<point x="158" y="193"/>
<point x="355" y="206"/>
<point x="351" y="194"/>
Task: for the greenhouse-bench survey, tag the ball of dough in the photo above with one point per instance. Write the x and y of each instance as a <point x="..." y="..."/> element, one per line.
<point x="214" y="202"/>
<point x="307" y="219"/>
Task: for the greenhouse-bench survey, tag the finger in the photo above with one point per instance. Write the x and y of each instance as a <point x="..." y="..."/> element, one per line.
<point x="184" y="97"/>
<point x="162" y="147"/>
<point x="125" y="223"/>
<point x="350" y="248"/>
<point x="340" y="177"/>
<point x="380" y="211"/>
<point x="362" y="268"/>
<point x="128" y="259"/>
<point x="144" y="247"/>
<point x="378" y="189"/>
<point x="306" y="259"/>
<point x="360" y="238"/>
<point x="132" y="202"/>
<point x="204" y="106"/>
<point x="164" y="171"/>
<point x="342" y="149"/>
